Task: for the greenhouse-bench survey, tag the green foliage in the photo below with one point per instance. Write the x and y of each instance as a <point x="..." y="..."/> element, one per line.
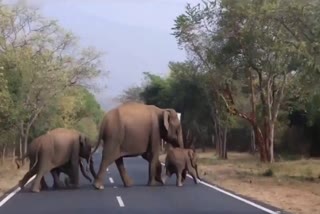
<point x="42" y="76"/>
<point x="76" y="108"/>
<point x="6" y="101"/>
<point x="132" y="94"/>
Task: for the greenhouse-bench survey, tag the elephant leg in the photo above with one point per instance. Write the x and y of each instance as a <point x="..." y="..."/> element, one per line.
<point x="57" y="183"/>
<point x="109" y="155"/>
<point x="68" y="180"/>
<point x="158" y="168"/>
<point x="44" y="166"/>
<point x="127" y="181"/>
<point x="43" y="184"/>
<point x="179" y="178"/>
<point x="184" y="175"/>
<point x="71" y="180"/>
<point x="73" y="172"/>
<point x="153" y="170"/>
<point x="192" y="172"/>
<point x="167" y="175"/>
<point x="154" y="155"/>
<point x="37" y="182"/>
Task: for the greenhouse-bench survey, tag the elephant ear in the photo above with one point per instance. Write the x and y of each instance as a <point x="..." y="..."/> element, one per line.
<point x="166" y="119"/>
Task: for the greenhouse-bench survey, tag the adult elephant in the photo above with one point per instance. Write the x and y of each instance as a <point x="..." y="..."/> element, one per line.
<point x="134" y="129"/>
<point x="58" y="150"/>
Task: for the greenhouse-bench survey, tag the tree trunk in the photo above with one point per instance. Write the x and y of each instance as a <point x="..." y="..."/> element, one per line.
<point x="253" y="111"/>
<point x="217" y="139"/>
<point x="270" y="141"/>
<point x="20" y="147"/>
<point x="14" y="152"/>
<point x="253" y="142"/>
<point x="212" y="139"/>
<point x="4" y="152"/>
<point x="224" y="144"/>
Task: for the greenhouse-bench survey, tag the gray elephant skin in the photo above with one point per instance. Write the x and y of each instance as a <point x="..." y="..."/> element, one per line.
<point x="134" y="129"/>
<point x="180" y="161"/>
<point x="59" y="150"/>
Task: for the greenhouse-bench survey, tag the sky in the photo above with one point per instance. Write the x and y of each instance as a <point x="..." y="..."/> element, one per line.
<point x="134" y="35"/>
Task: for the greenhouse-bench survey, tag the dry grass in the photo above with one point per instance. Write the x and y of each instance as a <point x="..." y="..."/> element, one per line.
<point x="290" y="185"/>
<point x="10" y="175"/>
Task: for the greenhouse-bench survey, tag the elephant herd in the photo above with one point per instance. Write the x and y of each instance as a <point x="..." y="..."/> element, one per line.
<point x="131" y="129"/>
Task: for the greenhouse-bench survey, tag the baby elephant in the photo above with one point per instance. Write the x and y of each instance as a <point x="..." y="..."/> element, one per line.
<point x="180" y="161"/>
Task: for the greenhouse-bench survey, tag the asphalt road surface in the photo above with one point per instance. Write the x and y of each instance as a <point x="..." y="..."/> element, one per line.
<point x="191" y="198"/>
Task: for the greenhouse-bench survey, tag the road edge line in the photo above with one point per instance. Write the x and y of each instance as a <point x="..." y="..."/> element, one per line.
<point x="235" y="196"/>
<point x="12" y="193"/>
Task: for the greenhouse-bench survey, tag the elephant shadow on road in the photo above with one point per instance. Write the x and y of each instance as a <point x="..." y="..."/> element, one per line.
<point x="82" y="187"/>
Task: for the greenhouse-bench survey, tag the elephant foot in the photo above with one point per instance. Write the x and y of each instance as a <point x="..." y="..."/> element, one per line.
<point x="164" y="179"/>
<point x="35" y="190"/>
<point x="153" y="182"/>
<point x="179" y="185"/>
<point x="44" y="187"/>
<point x="68" y="184"/>
<point x="98" y="186"/>
<point x="128" y="182"/>
<point x="159" y="180"/>
<point x="58" y="185"/>
<point x="20" y="185"/>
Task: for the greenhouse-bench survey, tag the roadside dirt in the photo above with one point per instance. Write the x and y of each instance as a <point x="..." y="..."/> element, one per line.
<point x="10" y="175"/>
<point x="294" y="185"/>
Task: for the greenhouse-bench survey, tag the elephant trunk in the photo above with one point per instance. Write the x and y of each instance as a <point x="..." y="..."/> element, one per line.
<point x="91" y="165"/>
<point x="83" y="172"/>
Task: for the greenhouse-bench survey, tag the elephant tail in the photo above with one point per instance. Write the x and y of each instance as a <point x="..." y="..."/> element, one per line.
<point x="97" y="145"/>
<point x="36" y="155"/>
<point x="99" y="139"/>
<point x="18" y="160"/>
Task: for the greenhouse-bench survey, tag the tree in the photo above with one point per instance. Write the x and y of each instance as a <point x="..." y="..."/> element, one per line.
<point x="76" y="108"/>
<point x="249" y="44"/>
<point x="131" y="94"/>
<point x="41" y="61"/>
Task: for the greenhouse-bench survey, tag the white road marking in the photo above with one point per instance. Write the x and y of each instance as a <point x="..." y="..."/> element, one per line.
<point x="107" y="169"/>
<point x="115" y="187"/>
<point x="236" y="197"/>
<point x="111" y="180"/>
<point x="14" y="192"/>
<point x="121" y="204"/>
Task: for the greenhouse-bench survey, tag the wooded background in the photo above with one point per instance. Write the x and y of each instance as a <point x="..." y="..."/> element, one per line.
<point x="251" y="80"/>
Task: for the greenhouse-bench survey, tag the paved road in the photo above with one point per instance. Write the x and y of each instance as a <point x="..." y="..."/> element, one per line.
<point x="117" y="199"/>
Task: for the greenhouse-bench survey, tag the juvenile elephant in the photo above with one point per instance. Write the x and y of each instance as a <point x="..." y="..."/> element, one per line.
<point x="134" y="129"/>
<point x="180" y="161"/>
<point x="64" y="169"/>
<point x="57" y="151"/>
